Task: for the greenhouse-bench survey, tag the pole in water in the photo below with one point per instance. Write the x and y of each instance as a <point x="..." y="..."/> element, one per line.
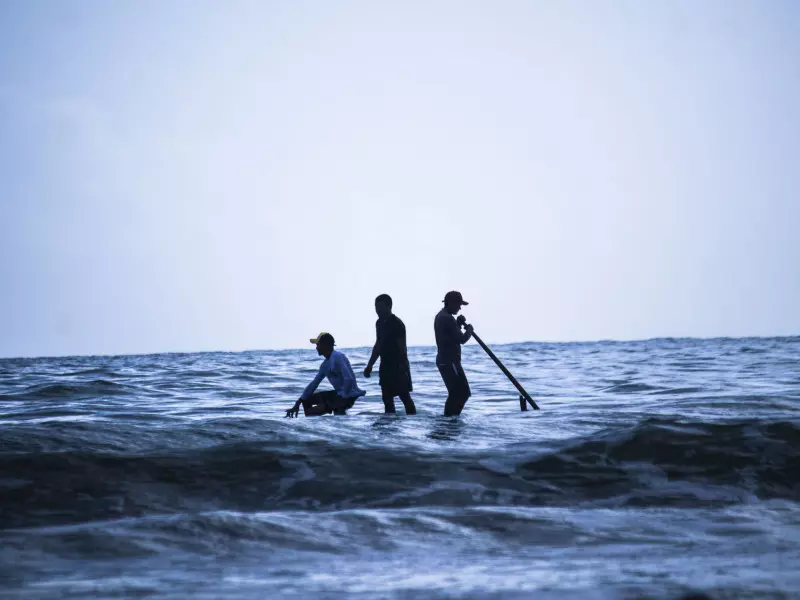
<point x="524" y="395"/>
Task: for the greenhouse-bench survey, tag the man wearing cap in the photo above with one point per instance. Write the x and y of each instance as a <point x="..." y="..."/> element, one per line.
<point x="340" y="374"/>
<point x="448" y="357"/>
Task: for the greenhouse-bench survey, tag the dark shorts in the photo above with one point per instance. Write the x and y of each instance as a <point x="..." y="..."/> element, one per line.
<point x="455" y="380"/>
<point x="395" y="381"/>
<point x="323" y="403"/>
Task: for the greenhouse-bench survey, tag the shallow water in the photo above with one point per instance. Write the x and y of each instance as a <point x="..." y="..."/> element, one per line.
<point x="653" y="469"/>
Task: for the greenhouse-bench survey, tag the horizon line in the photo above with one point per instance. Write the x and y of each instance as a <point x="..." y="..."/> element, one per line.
<point x="290" y="349"/>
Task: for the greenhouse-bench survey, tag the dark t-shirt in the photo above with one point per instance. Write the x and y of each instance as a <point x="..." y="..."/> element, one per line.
<point x="448" y="338"/>
<point x="391" y="332"/>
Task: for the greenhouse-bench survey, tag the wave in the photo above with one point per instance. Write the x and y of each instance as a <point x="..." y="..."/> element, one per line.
<point x="630" y="388"/>
<point x="678" y="391"/>
<point x="656" y="463"/>
<point x="91" y="371"/>
<point x="72" y="390"/>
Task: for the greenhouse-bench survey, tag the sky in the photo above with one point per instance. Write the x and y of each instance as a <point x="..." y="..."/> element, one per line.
<point x="191" y="175"/>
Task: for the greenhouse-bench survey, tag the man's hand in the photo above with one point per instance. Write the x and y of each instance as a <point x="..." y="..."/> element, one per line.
<point x="468" y="329"/>
<point x="294" y="411"/>
<point x="461" y="320"/>
<point x="368" y="371"/>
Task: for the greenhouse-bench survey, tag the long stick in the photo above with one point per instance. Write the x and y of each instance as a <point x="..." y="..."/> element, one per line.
<point x="508" y="374"/>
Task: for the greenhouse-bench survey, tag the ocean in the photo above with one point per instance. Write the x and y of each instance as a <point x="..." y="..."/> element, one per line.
<point x="654" y="469"/>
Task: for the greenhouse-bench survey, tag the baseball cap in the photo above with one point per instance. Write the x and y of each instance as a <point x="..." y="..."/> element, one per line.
<point x="323" y="337"/>
<point x="455" y="297"/>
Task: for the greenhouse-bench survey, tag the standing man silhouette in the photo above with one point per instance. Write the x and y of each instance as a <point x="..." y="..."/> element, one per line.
<point x="448" y="357"/>
<point x="390" y="345"/>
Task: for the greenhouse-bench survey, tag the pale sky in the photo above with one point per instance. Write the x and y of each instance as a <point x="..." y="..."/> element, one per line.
<point x="187" y="175"/>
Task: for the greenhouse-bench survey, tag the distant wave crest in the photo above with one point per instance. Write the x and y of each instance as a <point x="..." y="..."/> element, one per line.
<point x="76" y="390"/>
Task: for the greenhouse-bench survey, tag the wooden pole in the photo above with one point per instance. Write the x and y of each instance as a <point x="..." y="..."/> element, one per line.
<point x="525" y="395"/>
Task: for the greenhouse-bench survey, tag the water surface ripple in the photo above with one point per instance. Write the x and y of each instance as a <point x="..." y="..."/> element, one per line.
<point x="654" y="469"/>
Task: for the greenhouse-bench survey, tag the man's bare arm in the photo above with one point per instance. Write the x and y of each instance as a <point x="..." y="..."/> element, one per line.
<point x="376" y="351"/>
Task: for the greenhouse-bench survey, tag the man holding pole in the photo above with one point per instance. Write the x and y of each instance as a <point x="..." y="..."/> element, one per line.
<point x="449" y="338"/>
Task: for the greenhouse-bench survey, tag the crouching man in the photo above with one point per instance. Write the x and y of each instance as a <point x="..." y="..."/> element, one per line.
<point x="340" y="374"/>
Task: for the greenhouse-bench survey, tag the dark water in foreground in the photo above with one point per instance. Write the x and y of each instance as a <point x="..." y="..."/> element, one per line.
<point x="653" y="469"/>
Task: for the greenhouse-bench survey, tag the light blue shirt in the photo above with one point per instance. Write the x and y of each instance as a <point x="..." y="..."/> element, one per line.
<point x="340" y="374"/>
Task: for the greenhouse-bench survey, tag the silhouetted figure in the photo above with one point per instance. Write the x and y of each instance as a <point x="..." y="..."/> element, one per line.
<point x="337" y="369"/>
<point x="448" y="357"/>
<point x="390" y="345"/>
